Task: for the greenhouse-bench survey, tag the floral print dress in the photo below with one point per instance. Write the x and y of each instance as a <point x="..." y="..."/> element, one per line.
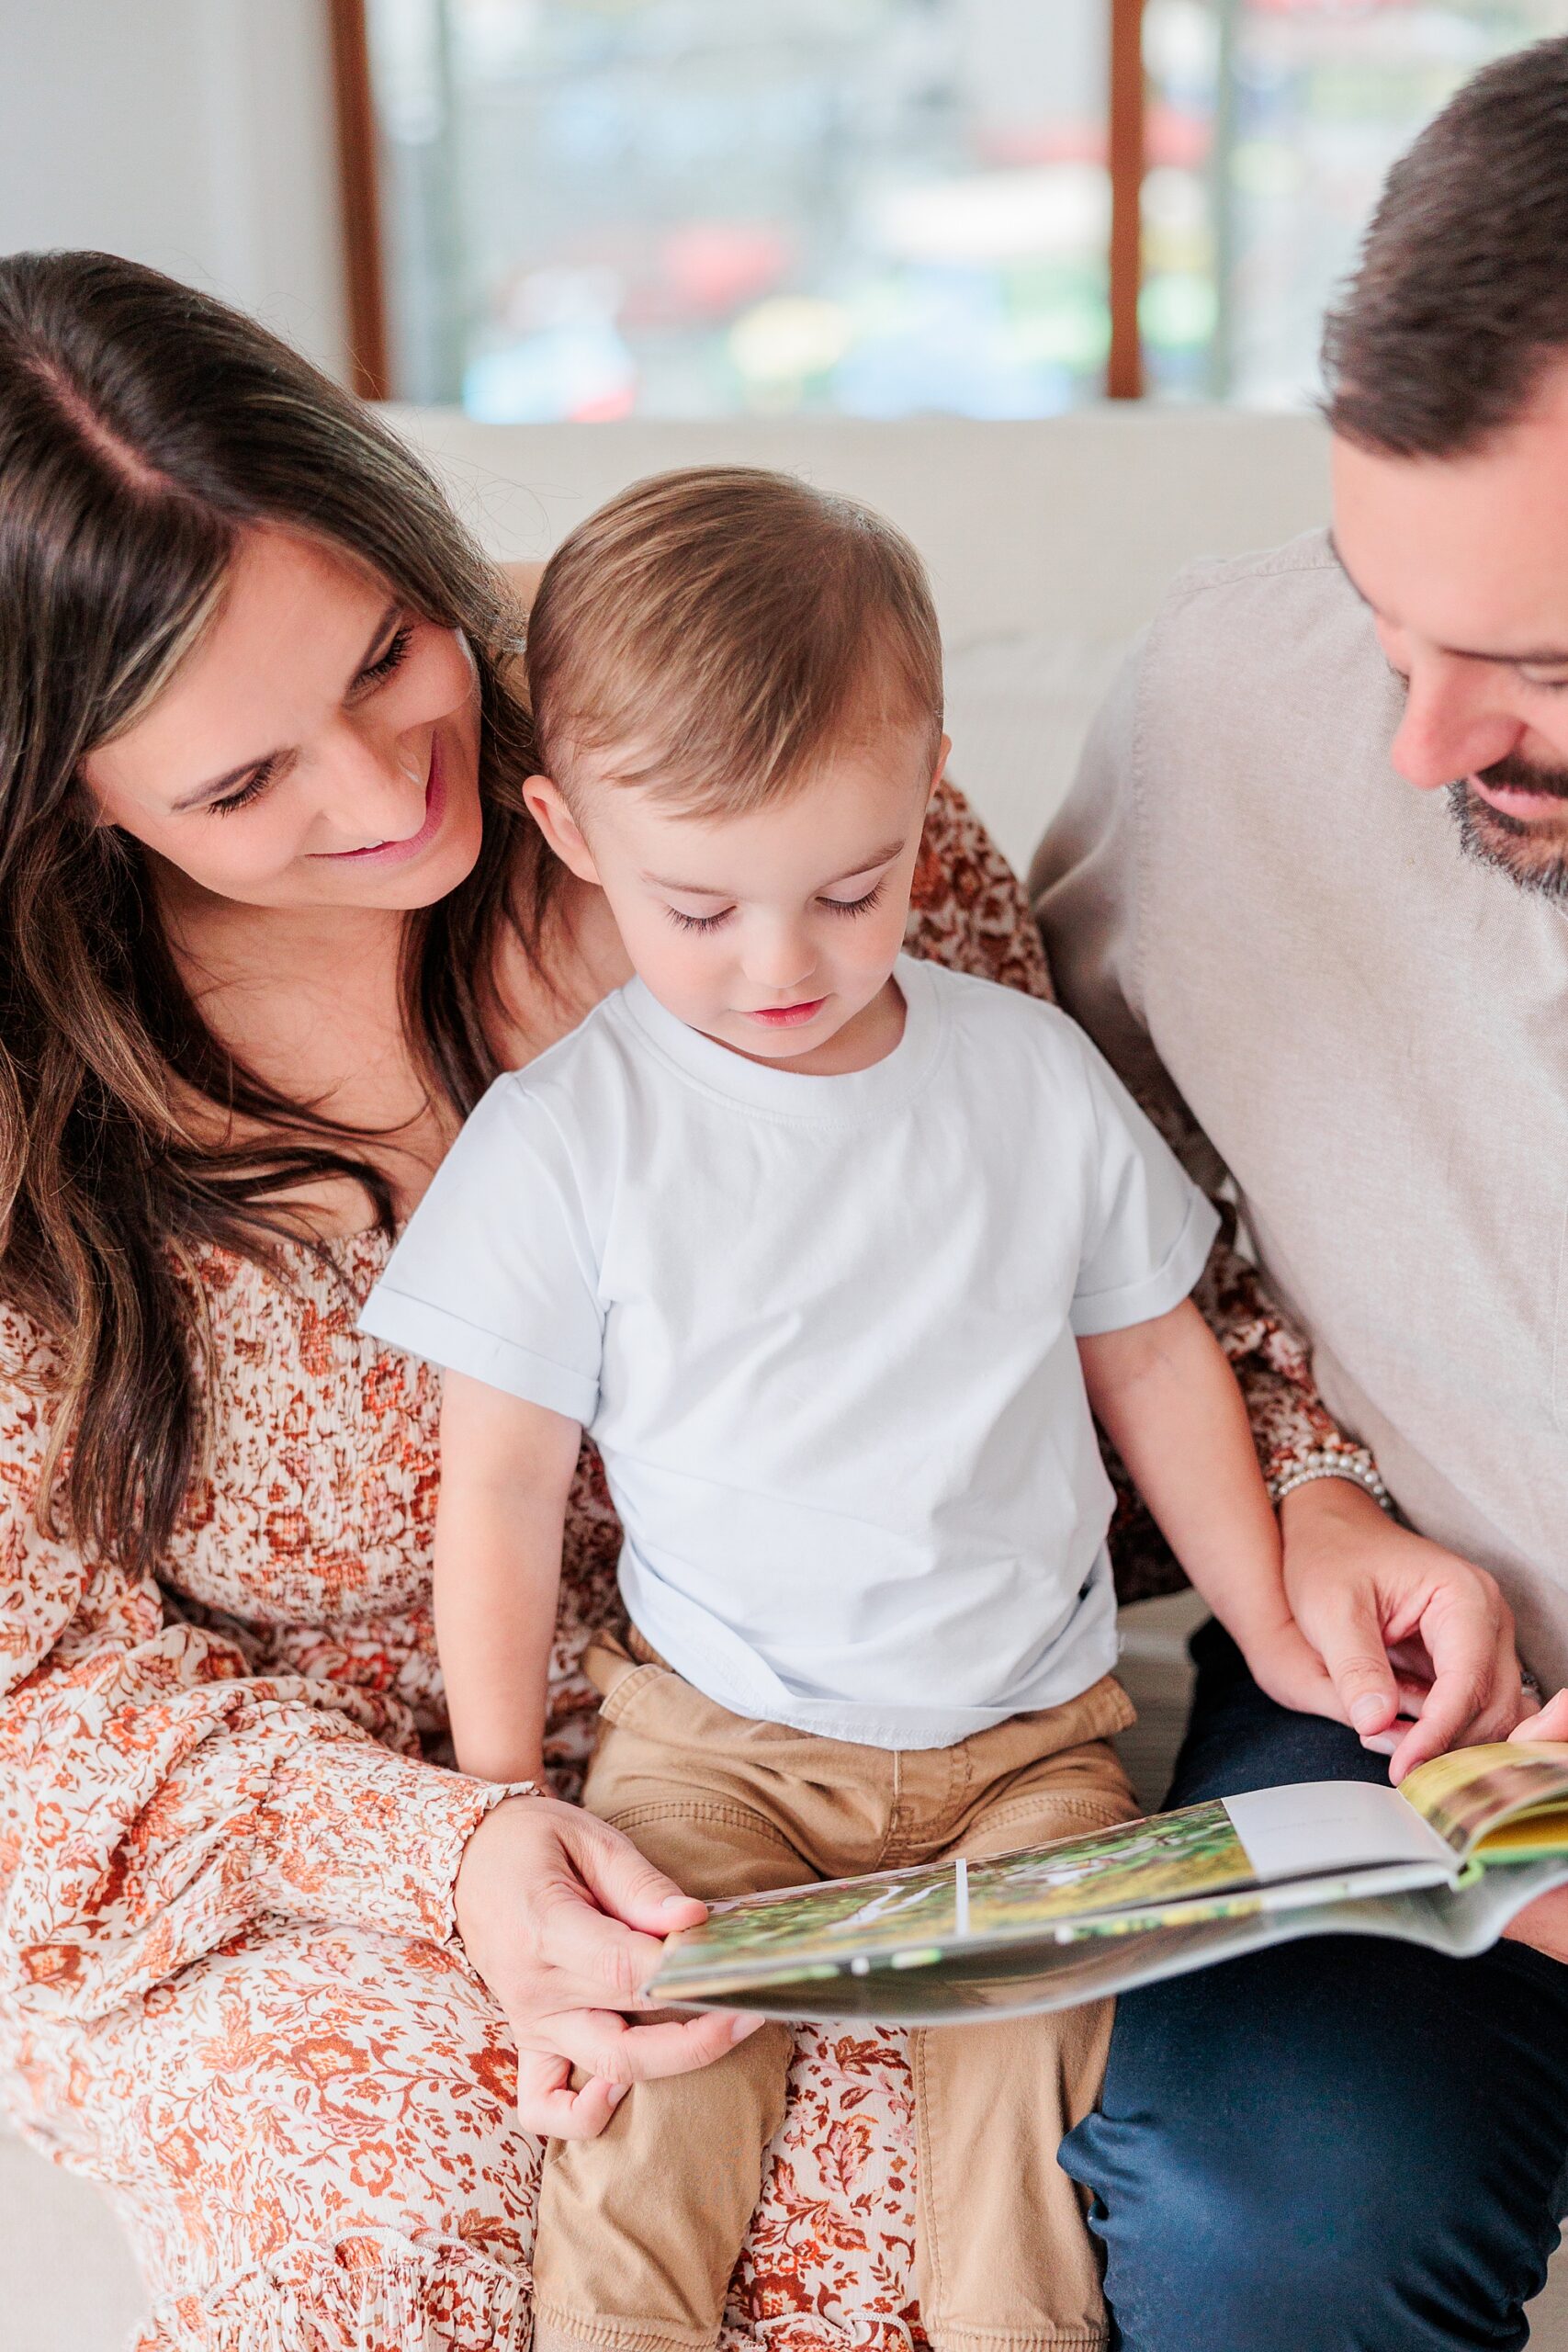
<point x="230" y="1990"/>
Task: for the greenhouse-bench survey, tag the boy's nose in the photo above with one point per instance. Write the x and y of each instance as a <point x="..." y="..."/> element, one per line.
<point x="779" y="961"/>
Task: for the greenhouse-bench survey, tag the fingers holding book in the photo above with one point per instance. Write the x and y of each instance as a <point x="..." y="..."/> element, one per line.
<point x="1418" y="1643"/>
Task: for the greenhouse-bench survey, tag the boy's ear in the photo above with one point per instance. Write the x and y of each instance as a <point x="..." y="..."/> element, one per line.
<point x="546" y="804"/>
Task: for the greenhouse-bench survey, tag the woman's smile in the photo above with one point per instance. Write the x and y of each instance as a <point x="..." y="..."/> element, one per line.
<point x="412" y="846"/>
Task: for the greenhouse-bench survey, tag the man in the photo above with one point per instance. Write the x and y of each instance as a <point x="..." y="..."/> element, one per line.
<point x="1311" y="896"/>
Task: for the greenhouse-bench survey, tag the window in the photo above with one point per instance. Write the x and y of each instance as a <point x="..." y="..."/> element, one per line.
<point x="694" y="208"/>
<point x="1271" y="126"/>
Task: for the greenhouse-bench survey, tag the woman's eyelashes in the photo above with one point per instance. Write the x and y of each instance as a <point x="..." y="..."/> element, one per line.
<point x="373" y="674"/>
<point x="385" y="664"/>
<point x="861" y="906"/>
<point x="252" y="789"/>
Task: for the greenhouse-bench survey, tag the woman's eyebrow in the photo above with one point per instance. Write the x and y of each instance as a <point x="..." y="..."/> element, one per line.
<point x="217" y="785"/>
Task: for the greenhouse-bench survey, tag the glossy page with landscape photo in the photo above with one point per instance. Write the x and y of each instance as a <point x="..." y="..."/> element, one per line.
<point x="1466" y="1841"/>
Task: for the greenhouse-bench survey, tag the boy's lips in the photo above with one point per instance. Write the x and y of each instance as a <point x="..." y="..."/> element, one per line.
<point x="787" y="1017"/>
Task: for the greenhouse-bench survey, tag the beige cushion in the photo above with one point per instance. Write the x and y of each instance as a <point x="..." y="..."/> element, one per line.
<point x="1048" y="544"/>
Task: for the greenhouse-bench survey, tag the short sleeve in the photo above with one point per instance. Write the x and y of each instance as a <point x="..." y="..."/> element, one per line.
<point x="496" y="1274"/>
<point x="1149" y="1230"/>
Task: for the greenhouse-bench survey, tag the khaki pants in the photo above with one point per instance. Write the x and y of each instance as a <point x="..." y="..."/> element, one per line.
<point x="639" y="2230"/>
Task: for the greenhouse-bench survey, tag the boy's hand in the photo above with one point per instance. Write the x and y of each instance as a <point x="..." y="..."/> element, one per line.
<point x="1284" y="1665"/>
<point x="1404" y="1628"/>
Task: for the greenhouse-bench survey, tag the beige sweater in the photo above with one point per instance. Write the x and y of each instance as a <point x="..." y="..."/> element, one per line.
<point x="1268" y="929"/>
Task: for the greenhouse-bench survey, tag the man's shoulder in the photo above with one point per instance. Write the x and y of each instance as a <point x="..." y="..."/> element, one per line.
<point x="1270" y="591"/>
<point x="1279" y="639"/>
<point x="1311" y="551"/>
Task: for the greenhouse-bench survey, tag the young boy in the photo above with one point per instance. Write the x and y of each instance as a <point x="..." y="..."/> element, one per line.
<point x="833" y="1253"/>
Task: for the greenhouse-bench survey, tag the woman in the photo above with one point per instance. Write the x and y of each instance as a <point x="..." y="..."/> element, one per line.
<point x="271" y="917"/>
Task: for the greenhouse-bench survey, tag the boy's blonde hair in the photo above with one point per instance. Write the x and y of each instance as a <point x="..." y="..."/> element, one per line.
<point x="715" y="627"/>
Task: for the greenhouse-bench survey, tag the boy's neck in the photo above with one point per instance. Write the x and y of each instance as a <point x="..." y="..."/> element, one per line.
<point x="868" y="1038"/>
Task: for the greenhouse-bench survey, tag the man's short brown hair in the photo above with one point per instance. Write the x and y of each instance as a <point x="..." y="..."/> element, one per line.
<point x="714" y="629"/>
<point x="1461" y="300"/>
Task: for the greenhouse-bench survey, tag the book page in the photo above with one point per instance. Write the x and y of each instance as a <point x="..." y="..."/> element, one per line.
<point x="1212" y="1858"/>
<point x="1205" y="1855"/>
<point x="906" y="1919"/>
<point x="1322" y="1825"/>
<point x="1010" y="1978"/>
<point x="1048" y="1974"/>
<point x="1474" y="1790"/>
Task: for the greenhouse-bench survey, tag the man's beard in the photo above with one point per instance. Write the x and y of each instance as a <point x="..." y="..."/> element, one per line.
<point x="1526" y="853"/>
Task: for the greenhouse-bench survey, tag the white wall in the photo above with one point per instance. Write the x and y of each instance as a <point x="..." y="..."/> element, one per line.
<point x="197" y="135"/>
<point x="1049" y="542"/>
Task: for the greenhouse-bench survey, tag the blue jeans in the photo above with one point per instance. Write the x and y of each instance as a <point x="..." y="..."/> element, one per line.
<point x="1342" y="2145"/>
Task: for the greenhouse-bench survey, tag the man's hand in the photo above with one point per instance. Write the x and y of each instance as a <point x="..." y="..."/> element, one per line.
<point x="1403" y="1627"/>
<point x="1544" y="1923"/>
<point x="564" y="1921"/>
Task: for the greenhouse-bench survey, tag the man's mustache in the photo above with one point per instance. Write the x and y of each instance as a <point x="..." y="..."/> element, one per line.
<point x="1515" y="775"/>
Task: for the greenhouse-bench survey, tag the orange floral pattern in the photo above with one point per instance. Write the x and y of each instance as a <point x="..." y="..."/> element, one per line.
<point x="229" y="1987"/>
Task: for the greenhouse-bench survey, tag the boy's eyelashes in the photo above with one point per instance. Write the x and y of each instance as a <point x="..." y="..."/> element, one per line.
<point x="861" y="906"/>
<point x="698" y="922"/>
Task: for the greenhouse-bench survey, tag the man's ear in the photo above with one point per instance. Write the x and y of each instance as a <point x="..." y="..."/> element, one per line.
<point x="547" y="805"/>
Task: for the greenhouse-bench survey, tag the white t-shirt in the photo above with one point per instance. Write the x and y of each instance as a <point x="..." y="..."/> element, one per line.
<point x="821" y="1330"/>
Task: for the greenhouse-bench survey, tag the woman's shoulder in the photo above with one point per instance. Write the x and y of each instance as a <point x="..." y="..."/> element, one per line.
<point x="28" y="1352"/>
<point x="967" y="909"/>
<point x="307" y="1284"/>
<point x="30" y="1365"/>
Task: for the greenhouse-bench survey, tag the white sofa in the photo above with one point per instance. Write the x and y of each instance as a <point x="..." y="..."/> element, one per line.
<point x="1049" y="545"/>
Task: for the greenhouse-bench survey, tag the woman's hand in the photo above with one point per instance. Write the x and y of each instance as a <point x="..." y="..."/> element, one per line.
<point x="1403" y="1627"/>
<point x="564" y="1920"/>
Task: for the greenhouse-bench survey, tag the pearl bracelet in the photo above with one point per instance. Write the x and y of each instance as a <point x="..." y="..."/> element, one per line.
<point x="1327" y="1463"/>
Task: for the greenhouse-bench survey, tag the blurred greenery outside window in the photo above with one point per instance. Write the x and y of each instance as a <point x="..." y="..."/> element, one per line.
<point x="595" y="209"/>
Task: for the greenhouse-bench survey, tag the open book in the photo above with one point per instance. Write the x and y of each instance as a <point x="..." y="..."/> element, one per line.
<point x="1445" y="1860"/>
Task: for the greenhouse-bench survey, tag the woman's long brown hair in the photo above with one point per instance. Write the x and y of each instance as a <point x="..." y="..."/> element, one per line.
<point x="143" y="429"/>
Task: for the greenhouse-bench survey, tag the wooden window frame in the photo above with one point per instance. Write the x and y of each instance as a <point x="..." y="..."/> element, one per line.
<point x="365" y="260"/>
<point x="1124" y="142"/>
